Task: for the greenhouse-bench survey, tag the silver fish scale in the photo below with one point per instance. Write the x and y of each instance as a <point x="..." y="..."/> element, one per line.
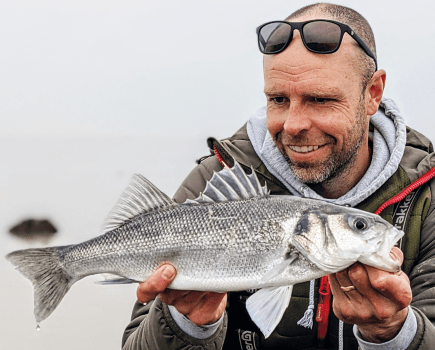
<point x="217" y="246"/>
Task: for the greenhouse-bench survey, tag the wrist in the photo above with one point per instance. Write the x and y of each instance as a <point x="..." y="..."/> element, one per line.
<point x="383" y="331"/>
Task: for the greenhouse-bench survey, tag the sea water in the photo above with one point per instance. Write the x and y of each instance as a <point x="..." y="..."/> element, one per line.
<point x="74" y="182"/>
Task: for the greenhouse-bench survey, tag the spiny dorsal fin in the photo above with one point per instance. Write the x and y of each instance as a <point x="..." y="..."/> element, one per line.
<point x="231" y="184"/>
<point x="140" y="196"/>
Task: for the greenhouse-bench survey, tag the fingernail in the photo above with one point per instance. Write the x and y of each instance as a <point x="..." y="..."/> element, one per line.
<point x="168" y="272"/>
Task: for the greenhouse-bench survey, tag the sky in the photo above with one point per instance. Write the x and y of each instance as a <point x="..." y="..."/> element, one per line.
<point x="188" y="68"/>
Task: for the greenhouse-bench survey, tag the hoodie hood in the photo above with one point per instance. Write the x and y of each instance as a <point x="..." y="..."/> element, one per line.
<point x="388" y="137"/>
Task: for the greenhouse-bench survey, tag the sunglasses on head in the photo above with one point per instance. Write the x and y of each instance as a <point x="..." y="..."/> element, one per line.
<point x="319" y="36"/>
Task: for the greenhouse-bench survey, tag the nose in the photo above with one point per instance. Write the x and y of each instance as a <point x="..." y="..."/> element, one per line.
<point x="297" y="121"/>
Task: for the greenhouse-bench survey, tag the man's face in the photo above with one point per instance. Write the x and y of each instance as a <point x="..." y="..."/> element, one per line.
<point x="316" y="109"/>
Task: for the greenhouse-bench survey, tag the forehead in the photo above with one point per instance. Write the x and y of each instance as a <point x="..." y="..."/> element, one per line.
<point x="297" y="64"/>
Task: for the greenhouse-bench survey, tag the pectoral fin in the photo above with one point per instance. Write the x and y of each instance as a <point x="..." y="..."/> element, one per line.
<point x="266" y="307"/>
<point x="278" y="269"/>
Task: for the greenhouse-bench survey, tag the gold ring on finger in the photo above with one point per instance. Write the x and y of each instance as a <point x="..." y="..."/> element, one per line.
<point x="347" y="289"/>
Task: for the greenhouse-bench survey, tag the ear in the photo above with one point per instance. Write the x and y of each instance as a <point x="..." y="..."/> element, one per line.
<point x="374" y="90"/>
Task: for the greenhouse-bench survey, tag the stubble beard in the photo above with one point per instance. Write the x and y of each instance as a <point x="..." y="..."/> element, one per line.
<point x="338" y="163"/>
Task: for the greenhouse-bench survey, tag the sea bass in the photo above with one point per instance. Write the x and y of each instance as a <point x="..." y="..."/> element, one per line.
<point x="233" y="237"/>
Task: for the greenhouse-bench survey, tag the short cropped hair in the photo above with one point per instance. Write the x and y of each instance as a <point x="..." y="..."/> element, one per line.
<point x="354" y="20"/>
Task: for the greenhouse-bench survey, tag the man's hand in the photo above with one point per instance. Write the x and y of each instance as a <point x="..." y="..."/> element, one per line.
<point x="378" y="305"/>
<point x="200" y="307"/>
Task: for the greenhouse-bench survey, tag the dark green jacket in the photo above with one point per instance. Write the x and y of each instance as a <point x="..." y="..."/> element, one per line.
<point x="153" y="328"/>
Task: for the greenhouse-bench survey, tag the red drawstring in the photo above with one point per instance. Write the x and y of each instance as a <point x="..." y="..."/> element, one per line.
<point x="397" y="198"/>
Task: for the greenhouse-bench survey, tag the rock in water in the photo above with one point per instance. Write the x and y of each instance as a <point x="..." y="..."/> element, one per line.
<point x="34" y="229"/>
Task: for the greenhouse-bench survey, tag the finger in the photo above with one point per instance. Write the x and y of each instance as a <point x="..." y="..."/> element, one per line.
<point x="156" y="283"/>
<point x="341" y="301"/>
<point x="374" y="283"/>
<point x="192" y="299"/>
<point x="188" y="302"/>
<point x="344" y="280"/>
<point x="335" y="288"/>
<point x="393" y="286"/>
<point x="169" y="296"/>
<point x="397" y="255"/>
<point x="358" y="277"/>
<point x="212" y="301"/>
<point x="210" y="309"/>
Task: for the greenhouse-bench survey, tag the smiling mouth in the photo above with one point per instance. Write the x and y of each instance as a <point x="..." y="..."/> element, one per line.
<point x="303" y="149"/>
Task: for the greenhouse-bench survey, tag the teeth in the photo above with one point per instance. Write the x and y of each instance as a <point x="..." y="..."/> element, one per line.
<point x="303" y="149"/>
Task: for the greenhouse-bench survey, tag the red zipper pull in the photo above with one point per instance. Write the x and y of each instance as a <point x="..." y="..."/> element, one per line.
<point x="323" y="308"/>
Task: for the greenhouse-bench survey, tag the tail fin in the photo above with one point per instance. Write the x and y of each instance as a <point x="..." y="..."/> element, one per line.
<point x="50" y="281"/>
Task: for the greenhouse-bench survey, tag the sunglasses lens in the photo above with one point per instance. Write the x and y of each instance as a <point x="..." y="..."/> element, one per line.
<point x="273" y="37"/>
<point x="322" y="36"/>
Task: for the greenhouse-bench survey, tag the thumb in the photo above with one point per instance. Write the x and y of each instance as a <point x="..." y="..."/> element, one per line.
<point x="156" y="283"/>
<point x="397" y="255"/>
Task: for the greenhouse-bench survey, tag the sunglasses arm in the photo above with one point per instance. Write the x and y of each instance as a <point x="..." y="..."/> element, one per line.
<point x="363" y="45"/>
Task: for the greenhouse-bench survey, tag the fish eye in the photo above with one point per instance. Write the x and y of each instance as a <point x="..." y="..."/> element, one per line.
<point x="360" y="224"/>
<point x="302" y="226"/>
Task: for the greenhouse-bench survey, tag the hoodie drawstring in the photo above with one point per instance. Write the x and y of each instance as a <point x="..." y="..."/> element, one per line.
<point x="307" y="320"/>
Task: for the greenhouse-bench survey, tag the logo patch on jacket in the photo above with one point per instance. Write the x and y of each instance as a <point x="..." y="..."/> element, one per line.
<point x="247" y="339"/>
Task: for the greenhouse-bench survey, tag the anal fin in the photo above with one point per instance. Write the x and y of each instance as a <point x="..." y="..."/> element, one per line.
<point x="115" y="279"/>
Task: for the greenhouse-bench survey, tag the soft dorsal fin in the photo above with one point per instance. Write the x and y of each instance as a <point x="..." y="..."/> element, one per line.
<point x="139" y="197"/>
<point x="231" y="184"/>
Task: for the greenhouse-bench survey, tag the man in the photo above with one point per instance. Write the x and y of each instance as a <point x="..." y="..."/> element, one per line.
<point x="327" y="134"/>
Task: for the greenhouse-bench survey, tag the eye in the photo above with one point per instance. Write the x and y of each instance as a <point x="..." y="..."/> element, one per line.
<point x="279" y="100"/>
<point x="302" y="226"/>
<point x="360" y="224"/>
<point x="321" y="99"/>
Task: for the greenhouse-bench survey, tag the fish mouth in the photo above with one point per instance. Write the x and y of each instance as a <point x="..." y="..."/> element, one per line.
<point x="381" y="259"/>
